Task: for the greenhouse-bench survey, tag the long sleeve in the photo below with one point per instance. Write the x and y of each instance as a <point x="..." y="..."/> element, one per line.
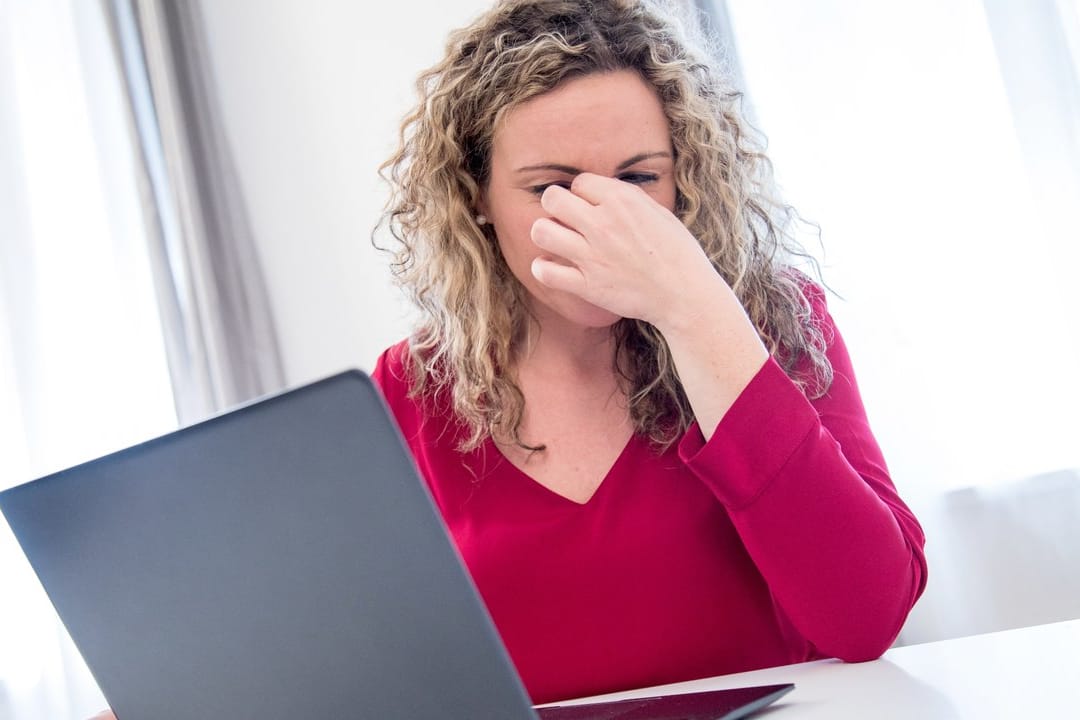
<point x="808" y="492"/>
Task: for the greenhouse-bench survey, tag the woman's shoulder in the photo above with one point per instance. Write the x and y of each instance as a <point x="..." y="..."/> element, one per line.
<point x="393" y="374"/>
<point x="816" y="317"/>
<point x="421" y="414"/>
<point x="811" y="289"/>
<point x="390" y="367"/>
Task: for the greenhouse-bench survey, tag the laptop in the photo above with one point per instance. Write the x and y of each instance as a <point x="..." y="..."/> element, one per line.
<point x="283" y="560"/>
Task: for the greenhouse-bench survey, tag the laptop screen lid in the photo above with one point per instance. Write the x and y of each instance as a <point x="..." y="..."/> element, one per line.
<point x="282" y="560"/>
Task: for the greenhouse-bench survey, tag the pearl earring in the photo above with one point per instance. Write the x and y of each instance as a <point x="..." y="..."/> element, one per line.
<point x="481" y="219"/>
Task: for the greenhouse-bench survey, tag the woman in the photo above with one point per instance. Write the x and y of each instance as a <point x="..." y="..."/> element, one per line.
<point x="637" y="419"/>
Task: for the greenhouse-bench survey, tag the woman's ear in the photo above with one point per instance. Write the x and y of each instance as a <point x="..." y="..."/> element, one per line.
<point x="481" y="213"/>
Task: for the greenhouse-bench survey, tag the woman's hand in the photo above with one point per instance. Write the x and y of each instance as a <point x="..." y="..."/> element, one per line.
<point x="614" y="246"/>
<point x="104" y="715"/>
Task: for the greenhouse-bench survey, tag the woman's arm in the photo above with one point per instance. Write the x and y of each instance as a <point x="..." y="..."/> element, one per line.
<point x="808" y="490"/>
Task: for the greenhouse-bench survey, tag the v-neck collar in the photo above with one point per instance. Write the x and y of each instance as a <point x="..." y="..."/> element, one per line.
<point x="538" y="489"/>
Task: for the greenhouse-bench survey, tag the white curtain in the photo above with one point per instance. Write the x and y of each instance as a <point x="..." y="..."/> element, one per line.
<point x="218" y="327"/>
<point x="131" y="297"/>
<point x="82" y="361"/>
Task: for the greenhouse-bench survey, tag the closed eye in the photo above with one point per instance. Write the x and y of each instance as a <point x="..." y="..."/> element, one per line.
<point x="639" y="178"/>
<point x="539" y="189"/>
<point x="636" y="178"/>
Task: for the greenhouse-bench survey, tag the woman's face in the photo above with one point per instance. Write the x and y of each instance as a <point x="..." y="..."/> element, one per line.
<point x="609" y="124"/>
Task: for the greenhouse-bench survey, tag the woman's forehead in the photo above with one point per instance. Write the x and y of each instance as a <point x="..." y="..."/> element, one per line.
<point x="615" y="112"/>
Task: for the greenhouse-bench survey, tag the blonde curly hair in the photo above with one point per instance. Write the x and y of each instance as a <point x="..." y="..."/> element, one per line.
<point x="472" y="307"/>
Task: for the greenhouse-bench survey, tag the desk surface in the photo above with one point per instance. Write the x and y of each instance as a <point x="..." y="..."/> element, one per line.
<point x="1031" y="672"/>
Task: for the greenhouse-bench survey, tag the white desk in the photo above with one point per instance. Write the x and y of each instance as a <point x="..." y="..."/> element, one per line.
<point x="1027" y="673"/>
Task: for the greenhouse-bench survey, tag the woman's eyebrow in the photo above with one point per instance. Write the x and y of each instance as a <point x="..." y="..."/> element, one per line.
<point x="642" y="156"/>
<point x="571" y="170"/>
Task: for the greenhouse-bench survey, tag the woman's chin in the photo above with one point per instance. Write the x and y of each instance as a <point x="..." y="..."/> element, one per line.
<point x="571" y="310"/>
<point x="600" y="318"/>
<point x="586" y="314"/>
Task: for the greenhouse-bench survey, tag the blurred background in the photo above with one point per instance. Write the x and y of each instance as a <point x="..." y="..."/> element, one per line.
<point x="187" y="193"/>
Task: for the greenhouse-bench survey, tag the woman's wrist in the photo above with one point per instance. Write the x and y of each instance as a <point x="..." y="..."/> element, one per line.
<point x="715" y="347"/>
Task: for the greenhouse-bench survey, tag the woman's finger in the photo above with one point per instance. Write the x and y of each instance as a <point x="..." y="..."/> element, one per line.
<point x="568" y="208"/>
<point x="557" y="276"/>
<point x="558" y="239"/>
<point x="594" y="189"/>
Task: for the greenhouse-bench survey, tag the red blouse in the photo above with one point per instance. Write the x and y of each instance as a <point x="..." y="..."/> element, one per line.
<point x="779" y="540"/>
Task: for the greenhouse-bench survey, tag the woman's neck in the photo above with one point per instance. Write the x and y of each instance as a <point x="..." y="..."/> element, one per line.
<point x="554" y="346"/>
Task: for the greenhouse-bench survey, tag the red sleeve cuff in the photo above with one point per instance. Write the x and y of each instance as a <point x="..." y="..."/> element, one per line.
<point x="754" y="440"/>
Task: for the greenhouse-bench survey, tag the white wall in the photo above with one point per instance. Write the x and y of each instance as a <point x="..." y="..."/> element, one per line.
<point x="312" y="95"/>
<point x="1000" y="557"/>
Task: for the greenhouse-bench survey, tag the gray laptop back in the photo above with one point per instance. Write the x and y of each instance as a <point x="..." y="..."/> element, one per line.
<point x="282" y="560"/>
